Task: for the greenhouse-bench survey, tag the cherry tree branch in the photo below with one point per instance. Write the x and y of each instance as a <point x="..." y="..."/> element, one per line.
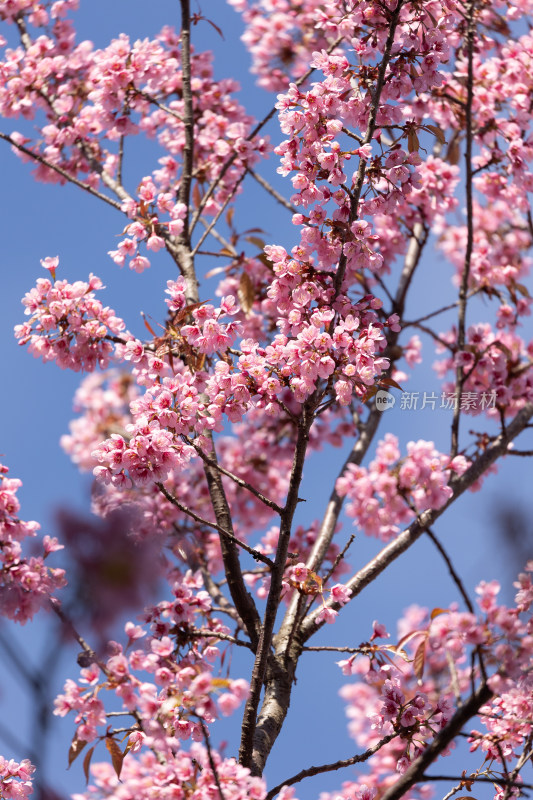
<point x="331" y="515"/>
<point x="475" y="779"/>
<point x="215" y="593"/>
<point x="181" y="251"/>
<point x="239" y="481"/>
<point x="205" y="633"/>
<point x="270" y="189"/>
<point x="417" y="769"/>
<point x="451" y="569"/>
<point x="367" y="138"/>
<point x="212" y="764"/>
<point x="463" y="290"/>
<point x="219" y="213"/>
<point x="408" y="537"/>
<point x="415" y="249"/>
<point x="340" y="764"/>
<point x="225" y="533"/>
<point x="260" y="125"/>
<point x="256" y="741"/>
<point x="184" y="191"/>
<point x="60" y="171"/>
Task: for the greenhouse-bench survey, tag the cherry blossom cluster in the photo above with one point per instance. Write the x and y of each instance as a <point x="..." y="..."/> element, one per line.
<point x="15" y="779"/>
<point x="92" y="98"/>
<point x="408" y="688"/>
<point x="68" y="324"/>
<point x="297" y="332"/>
<point x="184" y="692"/>
<point x="323" y="336"/>
<point x="297" y="576"/>
<point x="192" y="403"/>
<point x="388" y="493"/>
<point x="492" y="362"/>
<point x="103" y="398"/>
<point x="183" y="774"/>
<point x="499" y="259"/>
<point x="26" y="583"/>
<point x="104" y="402"/>
<point x="282" y="36"/>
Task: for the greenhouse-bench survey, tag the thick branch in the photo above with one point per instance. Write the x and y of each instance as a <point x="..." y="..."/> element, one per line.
<point x="255" y="741"/>
<point x="188" y="114"/>
<point x="239" y="593"/>
<point x="463" y="290"/>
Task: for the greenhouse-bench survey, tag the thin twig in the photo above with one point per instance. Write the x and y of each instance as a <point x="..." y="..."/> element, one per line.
<point x="456" y="579"/>
<point x="217" y="216"/>
<point x="212" y="764"/>
<point x="239" y="481"/>
<point x="270" y="189"/>
<point x="369" y="133"/>
<point x="60" y="171"/>
<point x="340" y="764"/>
<point x="331" y="649"/>
<point x="260" y="125"/>
<point x="205" y="633"/>
<point x="479" y="779"/>
<point x="197" y="518"/>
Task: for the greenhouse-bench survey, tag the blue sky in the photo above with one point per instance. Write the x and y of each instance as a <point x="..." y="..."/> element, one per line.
<point x="39" y="220"/>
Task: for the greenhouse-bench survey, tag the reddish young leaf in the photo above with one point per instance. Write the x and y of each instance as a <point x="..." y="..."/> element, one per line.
<point x="409" y="636"/>
<point x="117" y="756"/>
<point x="390" y="382"/>
<point x="419" y="660"/>
<point x="75" y="749"/>
<point x="246" y="293"/>
<point x="87" y="762"/>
